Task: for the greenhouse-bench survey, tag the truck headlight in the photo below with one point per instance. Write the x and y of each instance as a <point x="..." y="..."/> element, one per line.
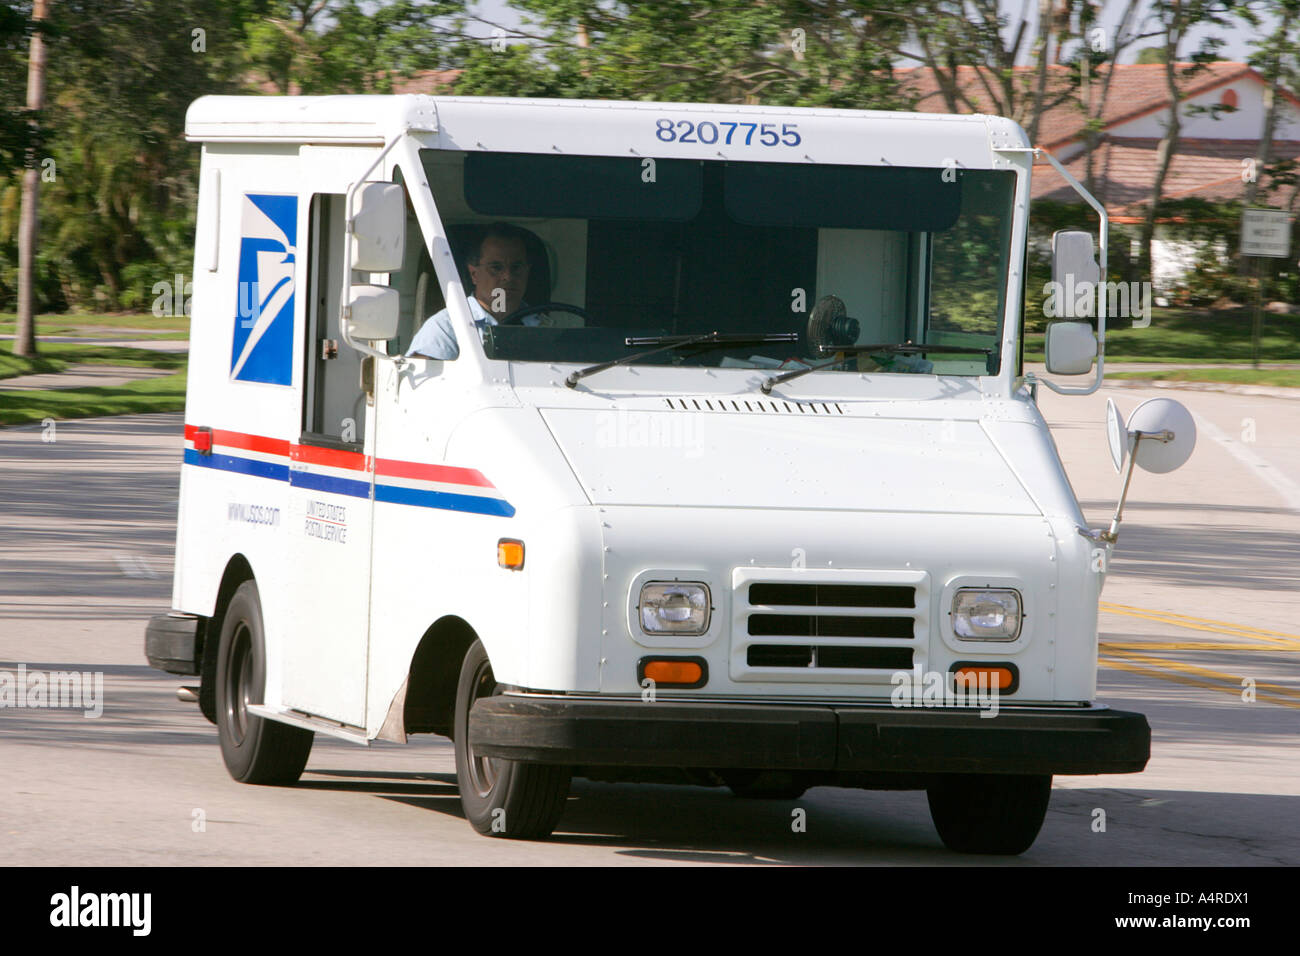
<point x="674" y="607"/>
<point x="986" y="614"/>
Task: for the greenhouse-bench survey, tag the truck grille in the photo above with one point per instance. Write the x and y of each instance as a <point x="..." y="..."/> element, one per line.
<point x="827" y="626"/>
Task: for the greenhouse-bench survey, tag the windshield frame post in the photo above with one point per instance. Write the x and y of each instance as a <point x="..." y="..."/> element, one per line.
<point x="1014" y="308"/>
<point x="472" y="359"/>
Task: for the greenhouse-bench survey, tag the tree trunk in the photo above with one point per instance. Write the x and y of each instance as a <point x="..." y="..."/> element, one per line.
<point x="25" y="339"/>
<point x="1165" y="152"/>
<point x="1262" y="153"/>
<point x="1040" y="78"/>
<point x="1093" y="137"/>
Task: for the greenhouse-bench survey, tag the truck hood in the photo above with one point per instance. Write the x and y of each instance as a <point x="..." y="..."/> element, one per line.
<point x="771" y="460"/>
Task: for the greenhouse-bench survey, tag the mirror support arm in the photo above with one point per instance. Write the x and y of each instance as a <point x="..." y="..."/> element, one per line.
<point x="1079" y="188"/>
<point x="345" y="310"/>
<point x="1111" y="534"/>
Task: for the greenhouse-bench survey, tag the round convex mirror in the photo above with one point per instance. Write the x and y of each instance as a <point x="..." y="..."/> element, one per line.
<point x="1161" y="415"/>
<point x="1116" y="435"/>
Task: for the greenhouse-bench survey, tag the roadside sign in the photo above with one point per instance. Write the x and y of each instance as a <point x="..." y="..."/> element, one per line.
<point x="1266" y="232"/>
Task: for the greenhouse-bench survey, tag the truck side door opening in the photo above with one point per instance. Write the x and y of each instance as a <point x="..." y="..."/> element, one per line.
<point x="334" y="403"/>
<point x="327" y="545"/>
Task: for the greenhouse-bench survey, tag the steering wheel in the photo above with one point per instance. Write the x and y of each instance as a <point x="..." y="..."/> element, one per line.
<point x="517" y="318"/>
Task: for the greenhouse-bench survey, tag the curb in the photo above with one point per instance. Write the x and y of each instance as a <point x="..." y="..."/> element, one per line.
<point x="1265" y="391"/>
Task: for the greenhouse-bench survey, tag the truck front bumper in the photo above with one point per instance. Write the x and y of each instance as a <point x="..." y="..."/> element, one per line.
<point x="174" y="643"/>
<point x="629" y="733"/>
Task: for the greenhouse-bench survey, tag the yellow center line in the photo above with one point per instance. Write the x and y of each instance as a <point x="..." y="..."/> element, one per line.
<point x="1280" y="638"/>
<point x="1256" y="639"/>
<point x="1192" y="646"/>
<point x="1205" y="672"/>
<point x="1193" y="682"/>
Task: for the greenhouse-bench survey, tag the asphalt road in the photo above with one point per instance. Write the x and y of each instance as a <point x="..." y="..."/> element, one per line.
<point x="1202" y="595"/>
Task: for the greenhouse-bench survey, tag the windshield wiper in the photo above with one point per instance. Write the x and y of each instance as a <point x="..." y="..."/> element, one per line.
<point x="900" y="348"/>
<point x="766" y="387"/>
<point x="669" y="343"/>
<point x="908" y="348"/>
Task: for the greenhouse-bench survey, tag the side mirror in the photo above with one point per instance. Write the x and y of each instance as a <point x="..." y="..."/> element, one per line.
<point x="373" y="310"/>
<point x="1071" y="348"/>
<point x="1159" y="437"/>
<point x="1073" y="261"/>
<point x="1167" y="435"/>
<point x="379" y="228"/>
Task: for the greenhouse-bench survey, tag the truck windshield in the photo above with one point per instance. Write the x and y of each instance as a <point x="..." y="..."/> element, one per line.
<point x="792" y="259"/>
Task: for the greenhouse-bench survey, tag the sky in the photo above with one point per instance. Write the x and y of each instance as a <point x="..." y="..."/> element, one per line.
<point x="1239" y="37"/>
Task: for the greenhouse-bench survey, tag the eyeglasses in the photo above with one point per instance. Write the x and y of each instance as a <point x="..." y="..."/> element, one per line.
<point x="497" y="268"/>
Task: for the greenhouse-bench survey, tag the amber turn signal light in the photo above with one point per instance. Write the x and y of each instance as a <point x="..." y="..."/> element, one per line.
<point x="510" y="554"/>
<point x="1004" y="678"/>
<point x="673" y="671"/>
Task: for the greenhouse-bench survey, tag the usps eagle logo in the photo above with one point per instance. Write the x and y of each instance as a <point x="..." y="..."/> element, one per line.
<point x="263" y="346"/>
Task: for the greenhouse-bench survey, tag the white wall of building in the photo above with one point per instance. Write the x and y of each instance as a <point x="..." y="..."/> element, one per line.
<point x="1244" y="123"/>
<point x="1172" y="259"/>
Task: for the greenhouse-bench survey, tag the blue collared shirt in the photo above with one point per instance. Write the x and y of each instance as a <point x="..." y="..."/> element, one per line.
<point x="436" y="338"/>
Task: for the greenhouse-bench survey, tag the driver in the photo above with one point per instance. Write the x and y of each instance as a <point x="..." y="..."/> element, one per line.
<point x="498" y="271"/>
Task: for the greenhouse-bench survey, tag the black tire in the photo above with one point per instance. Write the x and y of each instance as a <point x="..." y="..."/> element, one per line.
<point x="502" y="798"/>
<point x="989" y="813"/>
<point x="255" y="750"/>
<point x="764" y="784"/>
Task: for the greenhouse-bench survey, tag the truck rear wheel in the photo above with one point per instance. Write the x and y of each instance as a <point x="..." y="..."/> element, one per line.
<point x="988" y="812"/>
<point x="255" y="750"/>
<point x="502" y="798"/>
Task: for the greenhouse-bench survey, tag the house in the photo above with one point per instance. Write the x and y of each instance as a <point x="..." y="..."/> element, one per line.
<point x="1222" y="119"/>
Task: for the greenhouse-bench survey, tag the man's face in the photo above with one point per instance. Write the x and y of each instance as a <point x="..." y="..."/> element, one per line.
<point x="501" y="275"/>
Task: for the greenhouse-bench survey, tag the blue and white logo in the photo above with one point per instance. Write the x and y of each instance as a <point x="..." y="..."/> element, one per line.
<point x="263" y="344"/>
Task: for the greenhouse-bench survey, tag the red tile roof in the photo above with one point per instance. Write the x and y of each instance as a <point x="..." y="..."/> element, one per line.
<point x="1124" y="171"/>
<point x="1135" y="90"/>
<point x="1124" y="168"/>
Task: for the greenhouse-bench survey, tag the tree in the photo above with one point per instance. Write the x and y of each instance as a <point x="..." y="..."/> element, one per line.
<point x="1102" y="48"/>
<point x="335" y="46"/>
<point x="786" y="52"/>
<point x="949" y="35"/>
<point x="1175" y="18"/>
<point x="25" y="338"/>
<point x="117" y="200"/>
<point x="14" y="39"/>
<point x="1275" y="58"/>
<point x="120" y="204"/>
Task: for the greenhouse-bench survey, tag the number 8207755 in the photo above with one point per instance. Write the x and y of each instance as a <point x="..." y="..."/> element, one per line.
<point x="727" y="133"/>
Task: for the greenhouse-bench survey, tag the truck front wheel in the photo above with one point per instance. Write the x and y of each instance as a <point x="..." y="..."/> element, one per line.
<point x="988" y="812"/>
<point x="502" y="798"/>
<point x="255" y="750"/>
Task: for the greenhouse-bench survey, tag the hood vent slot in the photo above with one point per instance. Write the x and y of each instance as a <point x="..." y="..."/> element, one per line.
<point x="756" y="406"/>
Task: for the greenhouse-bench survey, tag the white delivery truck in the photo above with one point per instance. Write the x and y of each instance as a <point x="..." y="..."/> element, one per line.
<point x="713" y="458"/>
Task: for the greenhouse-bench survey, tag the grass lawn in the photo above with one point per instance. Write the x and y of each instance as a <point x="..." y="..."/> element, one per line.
<point x="11" y="365"/>
<point x="71" y="352"/>
<point x="1193" y="335"/>
<point x="1288" y="377"/>
<point x="57" y="356"/>
<point x="62" y="324"/>
<point x="163" y="394"/>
